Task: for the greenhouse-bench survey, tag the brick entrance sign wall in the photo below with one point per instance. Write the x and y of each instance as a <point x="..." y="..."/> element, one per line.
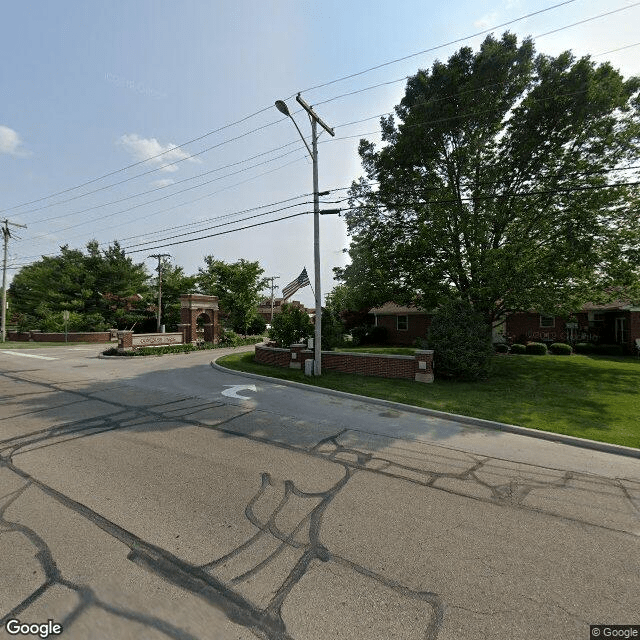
<point x="418" y="367"/>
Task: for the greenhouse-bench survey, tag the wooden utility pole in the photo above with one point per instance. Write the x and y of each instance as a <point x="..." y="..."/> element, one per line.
<point x="159" y="256"/>
<point x="273" y="288"/>
<point x="7" y="234"/>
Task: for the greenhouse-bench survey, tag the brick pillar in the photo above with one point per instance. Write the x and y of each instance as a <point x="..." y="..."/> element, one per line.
<point x="125" y="340"/>
<point x="424" y="366"/>
<point x="185" y="329"/>
<point x="296" y="351"/>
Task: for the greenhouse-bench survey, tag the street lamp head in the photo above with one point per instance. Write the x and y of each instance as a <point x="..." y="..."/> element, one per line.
<point x="281" y="106"/>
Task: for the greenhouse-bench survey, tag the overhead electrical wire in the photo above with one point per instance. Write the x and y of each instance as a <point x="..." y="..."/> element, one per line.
<point x="142" y="204"/>
<point x="220" y="233"/>
<point x="266" y="108"/>
<point x="159" y="188"/>
<point x="435" y="48"/>
<point x="275" y="122"/>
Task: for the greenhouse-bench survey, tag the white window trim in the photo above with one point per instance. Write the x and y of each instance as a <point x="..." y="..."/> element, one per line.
<point x="398" y="323"/>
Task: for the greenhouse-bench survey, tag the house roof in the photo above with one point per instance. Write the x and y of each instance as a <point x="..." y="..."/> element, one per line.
<point x="392" y="309"/>
<point x="615" y="305"/>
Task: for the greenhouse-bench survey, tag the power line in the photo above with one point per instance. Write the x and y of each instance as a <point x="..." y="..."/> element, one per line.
<point x="159" y="188"/>
<point x="135" y="164"/>
<point x="493" y="196"/>
<point x="224" y="224"/>
<point x="221" y="233"/>
<point x="262" y="110"/>
<point x="206" y="220"/>
<point x="601" y="15"/>
<point x="432" y="49"/>
<point x="144" y="204"/>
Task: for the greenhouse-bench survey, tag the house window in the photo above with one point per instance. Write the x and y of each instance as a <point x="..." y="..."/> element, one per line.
<point x="547" y="322"/>
<point x="402" y="323"/>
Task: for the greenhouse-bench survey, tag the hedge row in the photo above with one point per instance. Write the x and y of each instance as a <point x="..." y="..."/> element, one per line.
<point x="599" y="349"/>
<point x="183" y="348"/>
<point x="561" y="349"/>
<point x="535" y="348"/>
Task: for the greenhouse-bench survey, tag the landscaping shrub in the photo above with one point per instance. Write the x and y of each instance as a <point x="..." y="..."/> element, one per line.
<point x="358" y="333"/>
<point x="608" y="349"/>
<point x="599" y="349"/>
<point x="332" y="332"/>
<point x="536" y="349"/>
<point x="461" y="340"/>
<point x="560" y="349"/>
<point x="183" y="348"/>
<point x="291" y="325"/>
<point x="518" y="348"/>
<point x="368" y="334"/>
<point x="501" y="347"/>
<point x="377" y="335"/>
<point x="583" y="347"/>
<point x="257" y="326"/>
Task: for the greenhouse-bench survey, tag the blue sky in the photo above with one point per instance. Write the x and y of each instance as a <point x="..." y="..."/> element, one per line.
<point x="90" y="88"/>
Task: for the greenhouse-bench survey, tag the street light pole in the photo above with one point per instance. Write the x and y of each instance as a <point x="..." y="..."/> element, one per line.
<point x="313" y="152"/>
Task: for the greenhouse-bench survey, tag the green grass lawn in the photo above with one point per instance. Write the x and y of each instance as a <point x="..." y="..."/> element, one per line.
<point x="37" y="345"/>
<point x="595" y="397"/>
<point x="398" y="351"/>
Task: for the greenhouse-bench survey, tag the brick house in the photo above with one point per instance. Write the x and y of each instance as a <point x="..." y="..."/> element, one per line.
<point x="614" y="323"/>
<point x="405" y="324"/>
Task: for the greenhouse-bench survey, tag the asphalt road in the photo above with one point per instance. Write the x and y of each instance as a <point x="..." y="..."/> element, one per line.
<point x="163" y="498"/>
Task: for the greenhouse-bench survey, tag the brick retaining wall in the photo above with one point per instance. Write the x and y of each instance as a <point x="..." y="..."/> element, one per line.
<point x="418" y="367"/>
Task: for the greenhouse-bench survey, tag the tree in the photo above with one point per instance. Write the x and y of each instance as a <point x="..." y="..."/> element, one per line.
<point x="290" y="326"/>
<point x="100" y="289"/>
<point x="497" y="184"/>
<point x="461" y="341"/>
<point x="174" y="284"/>
<point x="237" y="286"/>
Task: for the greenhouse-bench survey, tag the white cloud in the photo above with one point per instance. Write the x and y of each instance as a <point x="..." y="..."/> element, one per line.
<point x="10" y="142"/>
<point x="165" y="182"/>
<point x="486" y="21"/>
<point x="146" y="148"/>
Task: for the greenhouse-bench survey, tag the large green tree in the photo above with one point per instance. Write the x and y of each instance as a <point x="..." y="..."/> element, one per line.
<point x="237" y="285"/>
<point x="496" y="182"/>
<point x="174" y="284"/>
<point x="100" y="288"/>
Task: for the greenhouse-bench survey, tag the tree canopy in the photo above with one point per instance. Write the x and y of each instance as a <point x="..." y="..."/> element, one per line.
<point x="237" y="285"/>
<point x="100" y="289"/>
<point x="500" y="181"/>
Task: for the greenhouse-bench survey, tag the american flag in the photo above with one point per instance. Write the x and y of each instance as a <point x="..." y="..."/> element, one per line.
<point x="301" y="281"/>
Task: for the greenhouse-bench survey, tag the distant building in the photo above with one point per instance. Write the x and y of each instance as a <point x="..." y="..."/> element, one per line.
<point x="264" y="308"/>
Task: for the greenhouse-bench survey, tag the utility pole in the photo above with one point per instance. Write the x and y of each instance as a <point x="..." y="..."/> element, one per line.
<point x="159" y="256"/>
<point x="7" y="234"/>
<point x="273" y="288"/>
<point x="315" y="120"/>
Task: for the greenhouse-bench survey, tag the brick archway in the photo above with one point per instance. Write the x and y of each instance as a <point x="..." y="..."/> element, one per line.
<point x="193" y="306"/>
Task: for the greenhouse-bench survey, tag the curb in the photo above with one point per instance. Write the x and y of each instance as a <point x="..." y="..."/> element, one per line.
<point x="584" y="443"/>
